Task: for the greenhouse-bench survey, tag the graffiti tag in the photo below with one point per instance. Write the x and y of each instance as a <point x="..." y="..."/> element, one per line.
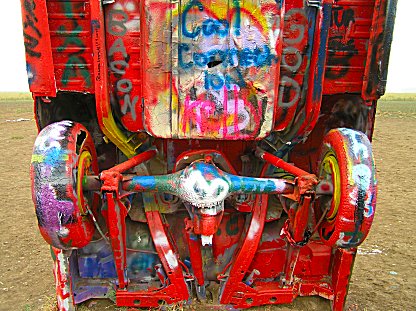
<point x="119" y="61"/>
<point x="76" y="64"/>
<point x="292" y="59"/>
<point x="31" y="32"/>
<point x="220" y="114"/>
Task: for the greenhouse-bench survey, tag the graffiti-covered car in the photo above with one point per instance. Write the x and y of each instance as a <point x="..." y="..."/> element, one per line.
<point x="217" y="149"/>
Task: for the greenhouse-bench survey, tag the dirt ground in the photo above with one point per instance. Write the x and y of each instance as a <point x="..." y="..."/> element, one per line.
<point x="384" y="275"/>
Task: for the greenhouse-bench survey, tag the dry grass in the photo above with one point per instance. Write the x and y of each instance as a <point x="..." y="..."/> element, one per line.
<point x="50" y="304"/>
<point x="397" y="108"/>
<point x="15" y="96"/>
<point x="399" y="97"/>
<point x="386" y="97"/>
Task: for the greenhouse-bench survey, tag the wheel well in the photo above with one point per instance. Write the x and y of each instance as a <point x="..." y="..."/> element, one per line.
<point x="71" y="106"/>
<point x="76" y="107"/>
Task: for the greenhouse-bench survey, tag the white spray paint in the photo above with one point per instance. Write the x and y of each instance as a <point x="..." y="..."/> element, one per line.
<point x="200" y="192"/>
<point x="361" y="174"/>
<point x="362" y="169"/>
<point x="254" y="228"/>
<point x="160" y="239"/>
<point x="46" y="142"/>
<point x="62" y="279"/>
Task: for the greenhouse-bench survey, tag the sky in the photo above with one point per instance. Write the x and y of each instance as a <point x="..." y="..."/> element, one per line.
<point x="402" y="67"/>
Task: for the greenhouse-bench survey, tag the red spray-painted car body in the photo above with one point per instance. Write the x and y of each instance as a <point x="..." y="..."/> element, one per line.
<point x="217" y="148"/>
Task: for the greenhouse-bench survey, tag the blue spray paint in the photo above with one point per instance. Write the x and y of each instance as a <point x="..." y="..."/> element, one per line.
<point x="228" y="58"/>
<point x="237" y="17"/>
<point x="210" y="26"/>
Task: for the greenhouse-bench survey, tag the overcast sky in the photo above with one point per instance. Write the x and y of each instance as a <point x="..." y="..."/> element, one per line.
<point x="402" y="67"/>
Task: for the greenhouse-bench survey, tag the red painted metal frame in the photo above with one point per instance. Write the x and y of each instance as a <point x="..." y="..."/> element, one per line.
<point x="316" y="71"/>
<point x="39" y="62"/>
<point x="136" y="160"/>
<point x="125" y="44"/>
<point x="234" y="284"/>
<point x="116" y="223"/>
<point x="279" y="163"/>
<point x="62" y="275"/>
<point x="191" y="154"/>
<point x="347" y="46"/>
<point x="279" y="48"/>
<point x="236" y="289"/>
<point x="117" y="212"/>
<point x="103" y="107"/>
<point x="294" y="18"/>
<point x="194" y="245"/>
<point x="301" y="219"/>
<point x="305" y="182"/>
<point x="375" y="74"/>
<point x="343" y="261"/>
<point x="241" y="295"/>
<point x="175" y="288"/>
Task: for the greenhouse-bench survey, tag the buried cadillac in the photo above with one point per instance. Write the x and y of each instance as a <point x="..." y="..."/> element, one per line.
<point x="217" y="149"/>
